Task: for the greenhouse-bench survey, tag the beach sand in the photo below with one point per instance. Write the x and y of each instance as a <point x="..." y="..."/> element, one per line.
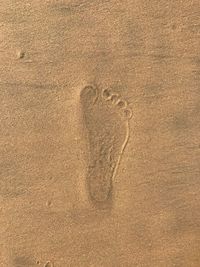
<point x="99" y="133"/>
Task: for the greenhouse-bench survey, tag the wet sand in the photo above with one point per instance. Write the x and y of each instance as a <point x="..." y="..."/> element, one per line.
<point x="99" y="133"/>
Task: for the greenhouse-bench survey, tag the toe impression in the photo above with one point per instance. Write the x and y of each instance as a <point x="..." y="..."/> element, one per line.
<point x="127" y="113"/>
<point x="106" y="94"/>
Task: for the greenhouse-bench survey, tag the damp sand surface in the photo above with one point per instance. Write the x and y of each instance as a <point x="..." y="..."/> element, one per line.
<point x="99" y="133"/>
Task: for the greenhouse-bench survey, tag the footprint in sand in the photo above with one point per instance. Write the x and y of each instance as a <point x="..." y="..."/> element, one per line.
<point x="106" y="123"/>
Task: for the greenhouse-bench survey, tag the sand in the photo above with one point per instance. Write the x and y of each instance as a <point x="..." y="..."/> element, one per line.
<point x="99" y="133"/>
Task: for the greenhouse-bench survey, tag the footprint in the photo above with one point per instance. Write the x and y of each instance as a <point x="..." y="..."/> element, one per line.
<point x="106" y="124"/>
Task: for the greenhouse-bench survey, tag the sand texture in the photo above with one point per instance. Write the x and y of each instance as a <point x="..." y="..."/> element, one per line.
<point x="99" y="133"/>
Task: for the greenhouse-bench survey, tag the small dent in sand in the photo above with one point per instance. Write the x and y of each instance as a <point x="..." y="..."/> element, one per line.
<point x="49" y="203"/>
<point x="21" y="54"/>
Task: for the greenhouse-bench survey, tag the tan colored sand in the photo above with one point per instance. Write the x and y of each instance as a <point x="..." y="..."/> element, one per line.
<point x="53" y="212"/>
